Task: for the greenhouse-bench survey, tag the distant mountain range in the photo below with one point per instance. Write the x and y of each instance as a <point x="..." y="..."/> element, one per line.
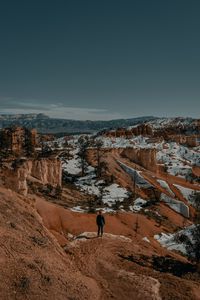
<point x="45" y="124"/>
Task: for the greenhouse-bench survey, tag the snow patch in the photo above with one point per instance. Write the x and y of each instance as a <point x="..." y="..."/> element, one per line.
<point x="138" y="204"/>
<point x="78" y="209"/>
<point x="114" y="193"/>
<point x="136" y="175"/>
<point x="88" y="235"/>
<point x="171" y="241"/>
<point x="146" y="239"/>
<point x="165" y="185"/>
<point x="176" y="205"/>
<point x="186" y="192"/>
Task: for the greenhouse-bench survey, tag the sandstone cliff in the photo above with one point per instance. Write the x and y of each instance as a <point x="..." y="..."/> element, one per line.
<point x="45" y="171"/>
<point x="48" y="171"/>
<point x="144" y="157"/>
<point x="18" y="140"/>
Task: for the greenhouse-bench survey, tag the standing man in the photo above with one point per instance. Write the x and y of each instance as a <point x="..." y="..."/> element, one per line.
<point x="100" y="223"/>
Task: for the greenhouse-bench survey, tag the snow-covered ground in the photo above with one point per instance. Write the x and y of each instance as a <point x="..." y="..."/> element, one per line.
<point x="187" y="193"/>
<point x="165" y="185"/>
<point x="178" y="159"/>
<point x="122" y="142"/>
<point x="78" y="209"/>
<point x="162" y="123"/>
<point x="114" y="193"/>
<point x="108" y="195"/>
<point x="176" y="205"/>
<point x="168" y="241"/>
<point x="138" y="205"/>
<point x="73" y="165"/>
<point x="146" y="239"/>
<point x="90" y="184"/>
<point x="171" y="241"/>
<point x="136" y="175"/>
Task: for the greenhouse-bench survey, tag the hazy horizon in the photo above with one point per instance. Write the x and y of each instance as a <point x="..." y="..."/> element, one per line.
<point x="133" y="117"/>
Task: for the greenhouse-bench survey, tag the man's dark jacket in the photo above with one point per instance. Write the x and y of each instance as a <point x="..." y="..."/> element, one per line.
<point x="100" y="220"/>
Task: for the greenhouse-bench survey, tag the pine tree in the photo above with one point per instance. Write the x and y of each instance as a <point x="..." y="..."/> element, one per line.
<point x="28" y="145"/>
<point x="58" y="192"/>
<point x="83" y="142"/>
<point x="98" y="144"/>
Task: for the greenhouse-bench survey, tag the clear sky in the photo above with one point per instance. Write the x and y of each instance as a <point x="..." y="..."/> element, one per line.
<point x="100" y="59"/>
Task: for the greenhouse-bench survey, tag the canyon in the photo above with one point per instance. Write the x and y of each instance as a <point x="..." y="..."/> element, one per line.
<point x="144" y="179"/>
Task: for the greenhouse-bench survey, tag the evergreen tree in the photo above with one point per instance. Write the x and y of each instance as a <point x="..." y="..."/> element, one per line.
<point x="98" y="144"/>
<point x="83" y="143"/>
<point x="58" y="192"/>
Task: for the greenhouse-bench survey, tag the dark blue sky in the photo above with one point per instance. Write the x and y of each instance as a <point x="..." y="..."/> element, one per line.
<point x="100" y="59"/>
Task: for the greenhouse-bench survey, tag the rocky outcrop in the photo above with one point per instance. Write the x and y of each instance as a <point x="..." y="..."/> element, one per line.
<point x="190" y="140"/>
<point x="144" y="157"/>
<point x="143" y="129"/>
<point x="18" y="140"/>
<point x="16" y="179"/>
<point x="48" y="171"/>
<point x="45" y="171"/>
<point x="180" y="130"/>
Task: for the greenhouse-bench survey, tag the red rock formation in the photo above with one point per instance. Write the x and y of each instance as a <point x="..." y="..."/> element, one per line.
<point x="45" y="171"/>
<point x="143" y="129"/>
<point x="18" y="140"/>
<point x="144" y="157"/>
<point x="16" y="179"/>
<point x="48" y="171"/>
<point x="34" y="137"/>
<point x="173" y="130"/>
<point x="189" y="140"/>
<point x="121" y="132"/>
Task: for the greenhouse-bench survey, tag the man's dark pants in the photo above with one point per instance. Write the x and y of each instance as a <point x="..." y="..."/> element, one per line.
<point x="100" y="230"/>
